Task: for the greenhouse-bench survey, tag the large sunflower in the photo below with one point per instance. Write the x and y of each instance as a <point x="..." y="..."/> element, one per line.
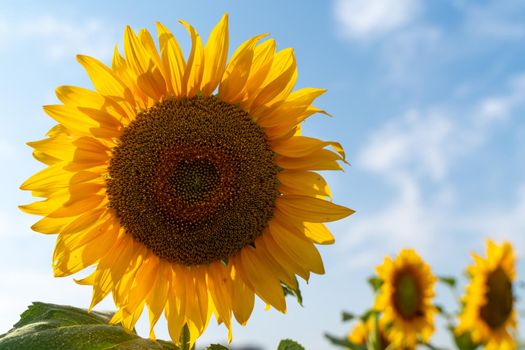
<point x="185" y="181"/>
<point x="405" y="298"/>
<point x="488" y="312"/>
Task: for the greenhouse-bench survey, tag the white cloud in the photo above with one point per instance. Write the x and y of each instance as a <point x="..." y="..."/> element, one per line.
<point x="57" y="38"/>
<point x="362" y="19"/>
<point x="500" y="20"/>
<point x="416" y="141"/>
<point x="423" y="145"/>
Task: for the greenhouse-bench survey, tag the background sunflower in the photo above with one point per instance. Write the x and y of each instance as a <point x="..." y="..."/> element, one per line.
<point x="406" y="298"/>
<point x="489" y="313"/>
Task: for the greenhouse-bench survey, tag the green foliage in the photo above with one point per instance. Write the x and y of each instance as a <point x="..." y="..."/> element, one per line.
<point x="49" y="326"/>
<point x="448" y="280"/>
<point x="216" y="347"/>
<point x="367" y="314"/>
<point x="375" y="283"/>
<point x="464" y="341"/>
<point x="288" y="344"/>
<point x="344" y="342"/>
<point x="294" y="292"/>
<point x="347" y="316"/>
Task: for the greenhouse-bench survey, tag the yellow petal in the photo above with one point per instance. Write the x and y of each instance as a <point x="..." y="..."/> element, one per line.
<point x="215" y="56"/>
<point x="290" y="110"/>
<point x="220" y="288"/>
<point x="318" y="233"/>
<point x="143" y="282"/>
<point x="242" y="299"/>
<point x="151" y="49"/>
<point x="49" y="225"/>
<point x="192" y="79"/>
<point x="281" y="272"/>
<point x="74" y="96"/>
<point x="157" y="299"/>
<point x="104" y="80"/>
<point x="53" y="177"/>
<point x="112" y="266"/>
<point x="259" y="275"/>
<point x="76" y="122"/>
<point x="306" y="183"/>
<point x="77" y="206"/>
<point x="122" y="71"/>
<point x="299" y="249"/>
<point x="318" y="160"/>
<point x="172" y="58"/>
<point x="84" y="221"/>
<point x="280" y="80"/>
<point x="262" y="62"/>
<point x="74" y="252"/>
<point x="175" y="308"/>
<point x="237" y="71"/>
<point x="300" y="146"/>
<point x="283" y="258"/>
<point x="310" y="209"/>
<point x="290" y="125"/>
<point x="149" y="77"/>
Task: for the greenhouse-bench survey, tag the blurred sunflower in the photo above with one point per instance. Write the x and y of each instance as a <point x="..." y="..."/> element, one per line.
<point x="488" y="312"/>
<point x="188" y="202"/>
<point x="405" y="298"/>
<point x="362" y="330"/>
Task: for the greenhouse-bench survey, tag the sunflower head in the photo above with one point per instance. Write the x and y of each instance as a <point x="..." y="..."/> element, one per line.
<point x="184" y="180"/>
<point x="405" y="298"/>
<point x="488" y="305"/>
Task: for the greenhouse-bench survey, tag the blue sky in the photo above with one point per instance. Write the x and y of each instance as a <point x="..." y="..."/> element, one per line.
<point x="428" y="98"/>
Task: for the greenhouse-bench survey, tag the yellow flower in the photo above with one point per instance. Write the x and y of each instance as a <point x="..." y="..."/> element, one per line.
<point x="488" y="312"/>
<point x="185" y="201"/>
<point x="405" y="298"/>
<point x="361" y="331"/>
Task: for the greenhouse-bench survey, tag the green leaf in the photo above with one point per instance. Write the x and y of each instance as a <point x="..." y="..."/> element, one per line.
<point x="375" y="283"/>
<point x="185" y="338"/>
<point x="367" y="314"/>
<point x="448" y="280"/>
<point x="344" y="342"/>
<point x="216" y="347"/>
<point x="60" y="327"/>
<point x="288" y="344"/>
<point x="294" y="292"/>
<point x="347" y="316"/>
<point x="464" y="341"/>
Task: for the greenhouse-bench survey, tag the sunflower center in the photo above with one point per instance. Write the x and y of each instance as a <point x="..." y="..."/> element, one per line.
<point x="407" y="296"/>
<point x="194" y="180"/>
<point x="499" y="299"/>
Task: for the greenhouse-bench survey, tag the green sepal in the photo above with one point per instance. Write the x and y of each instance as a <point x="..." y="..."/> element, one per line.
<point x="294" y="292"/>
<point x="375" y="283"/>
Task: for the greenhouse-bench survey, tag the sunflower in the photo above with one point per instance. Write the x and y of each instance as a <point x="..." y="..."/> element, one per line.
<point x="405" y="298"/>
<point x="185" y="181"/>
<point x="488" y="312"/>
<point x="360" y="333"/>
